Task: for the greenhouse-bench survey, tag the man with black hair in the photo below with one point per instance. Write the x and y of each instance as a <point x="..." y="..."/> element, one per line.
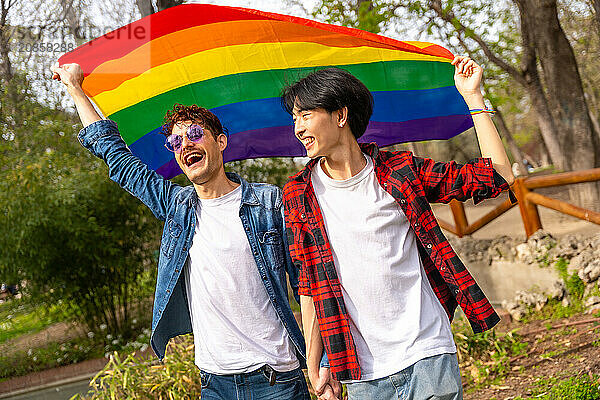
<point x="377" y="273"/>
<point x="223" y="259"/>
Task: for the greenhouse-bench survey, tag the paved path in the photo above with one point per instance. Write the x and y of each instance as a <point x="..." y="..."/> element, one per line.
<point x="57" y="391"/>
<point x="57" y="381"/>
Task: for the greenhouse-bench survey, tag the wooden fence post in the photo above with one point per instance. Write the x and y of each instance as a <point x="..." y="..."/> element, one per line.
<point x="529" y="211"/>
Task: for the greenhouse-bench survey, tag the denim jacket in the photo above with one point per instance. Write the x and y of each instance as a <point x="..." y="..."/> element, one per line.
<point x="261" y="212"/>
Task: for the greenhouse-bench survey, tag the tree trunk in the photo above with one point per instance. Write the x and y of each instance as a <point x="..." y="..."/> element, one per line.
<point x="164" y="4"/>
<point x="145" y="7"/>
<point x="595" y="124"/>
<point x="532" y="82"/>
<point x="510" y="140"/>
<point x="5" y="65"/>
<point x="545" y="120"/>
<point x="596" y="5"/>
<point x="565" y="92"/>
<point x="72" y="16"/>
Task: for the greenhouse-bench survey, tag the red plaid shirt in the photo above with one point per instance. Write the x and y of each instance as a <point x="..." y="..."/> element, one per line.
<point x="414" y="183"/>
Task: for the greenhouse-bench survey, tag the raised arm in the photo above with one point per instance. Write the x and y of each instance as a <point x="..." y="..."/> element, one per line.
<point x="72" y="76"/>
<point x="467" y="77"/>
<point x="101" y="137"/>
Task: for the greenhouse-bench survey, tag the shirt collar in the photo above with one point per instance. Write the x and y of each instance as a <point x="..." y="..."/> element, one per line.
<point x="248" y="195"/>
<point x="370" y="149"/>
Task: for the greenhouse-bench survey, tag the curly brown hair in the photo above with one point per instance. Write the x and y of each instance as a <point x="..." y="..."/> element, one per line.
<point x="194" y="113"/>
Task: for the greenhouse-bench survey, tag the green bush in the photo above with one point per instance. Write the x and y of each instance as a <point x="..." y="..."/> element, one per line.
<point x="132" y="378"/>
<point x="581" y="387"/>
<point x="574" y="285"/>
<point x="66" y="230"/>
<point x="485" y="357"/>
<point x="270" y="170"/>
<point x="21" y="316"/>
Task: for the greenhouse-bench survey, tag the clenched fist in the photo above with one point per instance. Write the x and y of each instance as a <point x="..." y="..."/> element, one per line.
<point x="69" y="74"/>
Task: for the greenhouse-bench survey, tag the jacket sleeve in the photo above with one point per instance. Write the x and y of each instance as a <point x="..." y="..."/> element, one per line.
<point x="103" y="140"/>
<point x="445" y="181"/>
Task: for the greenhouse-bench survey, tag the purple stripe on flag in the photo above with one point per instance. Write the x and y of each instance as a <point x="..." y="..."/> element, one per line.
<point x="437" y="128"/>
<point x="272" y="142"/>
<point x="170" y="169"/>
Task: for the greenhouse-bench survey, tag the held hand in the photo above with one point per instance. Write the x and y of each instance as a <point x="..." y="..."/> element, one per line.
<point x="328" y="394"/>
<point x="69" y="74"/>
<point x="467" y="76"/>
<point x="336" y="386"/>
<point x="319" y="380"/>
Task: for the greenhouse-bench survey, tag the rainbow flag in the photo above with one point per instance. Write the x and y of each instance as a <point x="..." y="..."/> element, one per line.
<point x="235" y="61"/>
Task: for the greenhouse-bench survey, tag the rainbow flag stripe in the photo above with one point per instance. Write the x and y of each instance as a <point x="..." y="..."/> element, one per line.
<point x="235" y="62"/>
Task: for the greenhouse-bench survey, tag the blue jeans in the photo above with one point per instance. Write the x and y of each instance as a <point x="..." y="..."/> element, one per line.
<point x="254" y="386"/>
<point x="435" y="377"/>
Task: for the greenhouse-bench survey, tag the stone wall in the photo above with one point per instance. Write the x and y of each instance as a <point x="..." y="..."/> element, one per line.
<point x="521" y="275"/>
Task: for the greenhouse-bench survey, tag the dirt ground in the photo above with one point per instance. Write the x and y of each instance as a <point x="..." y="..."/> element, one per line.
<point x="564" y="348"/>
<point x="59" y="332"/>
<point x="569" y="347"/>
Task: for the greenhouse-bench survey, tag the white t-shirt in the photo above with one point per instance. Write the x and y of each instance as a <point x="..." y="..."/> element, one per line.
<point x="395" y="318"/>
<point x="236" y="328"/>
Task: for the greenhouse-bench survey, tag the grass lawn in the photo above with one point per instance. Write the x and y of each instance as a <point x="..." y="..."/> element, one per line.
<point x="20" y="317"/>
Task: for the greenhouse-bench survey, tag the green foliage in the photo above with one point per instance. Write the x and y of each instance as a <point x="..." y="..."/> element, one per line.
<point x="56" y="354"/>
<point x="270" y="170"/>
<point x="554" y="310"/>
<point x="485" y="357"/>
<point x="52" y="355"/>
<point x="19" y="317"/>
<point x="372" y="16"/>
<point x="79" y="238"/>
<point x="66" y="230"/>
<point x="574" y="284"/>
<point x="130" y="378"/>
<point x="581" y="387"/>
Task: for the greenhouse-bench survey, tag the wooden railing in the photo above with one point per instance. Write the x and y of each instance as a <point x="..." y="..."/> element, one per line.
<point x="462" y="227"/>
<point x="528" y="202"/>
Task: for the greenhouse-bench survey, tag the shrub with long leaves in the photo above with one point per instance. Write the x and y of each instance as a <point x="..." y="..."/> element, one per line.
<point x="137" y="378"/>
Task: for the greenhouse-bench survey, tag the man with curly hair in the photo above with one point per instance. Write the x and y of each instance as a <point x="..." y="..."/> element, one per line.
<point x="223" y="255"/>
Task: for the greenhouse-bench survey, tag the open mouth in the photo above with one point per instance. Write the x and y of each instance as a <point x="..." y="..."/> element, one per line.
<point x="193" y="158"/>
<point x="308" y="141"/>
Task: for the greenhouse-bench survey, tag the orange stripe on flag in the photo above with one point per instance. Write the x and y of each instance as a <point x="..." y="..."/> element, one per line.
<point x="171" y="47"/>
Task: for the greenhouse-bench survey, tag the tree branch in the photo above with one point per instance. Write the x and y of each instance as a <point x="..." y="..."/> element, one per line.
<point x="450" y="18"/>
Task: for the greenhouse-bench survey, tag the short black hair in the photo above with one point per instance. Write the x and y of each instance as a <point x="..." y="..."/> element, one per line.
<point x="332" y="89"/>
